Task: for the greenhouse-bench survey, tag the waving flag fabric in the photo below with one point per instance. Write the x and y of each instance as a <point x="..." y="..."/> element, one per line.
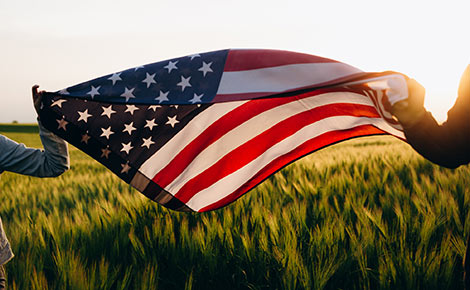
<point x="195" y="133"/>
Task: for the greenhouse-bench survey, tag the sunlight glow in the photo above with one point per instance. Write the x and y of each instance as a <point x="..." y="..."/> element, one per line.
<point x="59" y="43"/>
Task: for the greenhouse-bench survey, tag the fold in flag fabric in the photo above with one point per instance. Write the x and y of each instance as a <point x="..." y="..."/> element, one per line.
<point x="195" y="133"/>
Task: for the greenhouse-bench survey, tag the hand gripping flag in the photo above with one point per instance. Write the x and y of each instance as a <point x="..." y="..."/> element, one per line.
<point x="197" y="132"/>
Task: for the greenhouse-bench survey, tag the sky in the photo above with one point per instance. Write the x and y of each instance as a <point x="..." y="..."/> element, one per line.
<point x="60" y="43"/>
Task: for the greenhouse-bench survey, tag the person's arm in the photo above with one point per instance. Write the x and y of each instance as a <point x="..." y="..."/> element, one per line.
<point x="50" y="162"/>
<point x="446" y="144"/>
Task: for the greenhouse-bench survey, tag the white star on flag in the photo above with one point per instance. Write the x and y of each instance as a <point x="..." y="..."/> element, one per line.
<point x="62" y="124"/>
<point x="128" y="94"/>
<point x="184" y="83"/>
<point x="147" y="142"/>
<point x="85" y="138"/>
<point x="172" y="121"/>
<point x="106" y="132"/>
<point x="150" y="124"/>
<point x="58" y="103"/>
<point x="193" y="56"/>
<point x="108" y="111"/>
<point x="171" y="66"/>
<point x="149" y="79"/>
<point x="205" y="68"/>
<point x="162" y="97"/>
<point x="196" y="98"/>
<point x="84" y="116"/>
<point x="115" y="77"/>
<point x="125" y="168"/>
<point x="129" y="128"/>
<point x="105" y="153"/>
<point x="154" y="107"/>
<point x="126" y="147"/>
<point x="94" y="91"/>
<point x="131" y="109"/>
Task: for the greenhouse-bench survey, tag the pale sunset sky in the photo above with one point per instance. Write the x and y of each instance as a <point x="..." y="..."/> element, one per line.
<point x="60" y="43"/>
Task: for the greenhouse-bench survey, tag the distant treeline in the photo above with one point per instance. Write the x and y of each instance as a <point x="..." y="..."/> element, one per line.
<point x="19" y="128"/>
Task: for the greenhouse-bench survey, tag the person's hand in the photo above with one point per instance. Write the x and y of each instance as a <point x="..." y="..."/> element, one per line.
<point x="37" y="98"/>
<point x="409" y="111"/>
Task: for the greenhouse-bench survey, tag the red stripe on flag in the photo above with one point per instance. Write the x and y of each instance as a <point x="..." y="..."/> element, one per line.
<point x="255" y="147"/>
<point x="308" y="147"/>
<point x="238" y="60"/>
<point x="218" y="129"/>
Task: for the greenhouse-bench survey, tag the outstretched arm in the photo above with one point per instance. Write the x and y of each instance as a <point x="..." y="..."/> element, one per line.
<point x="50" y="162"/>
<point x="447" y="144"/>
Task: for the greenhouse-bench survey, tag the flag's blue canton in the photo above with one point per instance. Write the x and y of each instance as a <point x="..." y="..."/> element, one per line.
<point x="191" y="79"/>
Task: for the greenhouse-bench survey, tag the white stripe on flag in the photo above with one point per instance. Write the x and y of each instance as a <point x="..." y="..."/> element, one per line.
<point x="254" y="127"/>
<point x="232" y="182"/>
<point x="282" y="78"/>
<point x="159" y="160"/>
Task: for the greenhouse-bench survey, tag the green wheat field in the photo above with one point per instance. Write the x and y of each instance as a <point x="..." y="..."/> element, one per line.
<point x="368" y="213"/>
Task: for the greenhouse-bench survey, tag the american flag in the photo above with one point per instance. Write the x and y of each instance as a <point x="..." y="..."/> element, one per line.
<point x="195" y="133"/>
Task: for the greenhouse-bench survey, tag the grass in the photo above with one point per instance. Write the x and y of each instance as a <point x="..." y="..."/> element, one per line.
<point x="363" y="214"/>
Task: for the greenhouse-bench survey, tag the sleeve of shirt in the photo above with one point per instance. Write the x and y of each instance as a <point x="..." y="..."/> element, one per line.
<point x="50" y="162"/>
<point x="447" y="144"/>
